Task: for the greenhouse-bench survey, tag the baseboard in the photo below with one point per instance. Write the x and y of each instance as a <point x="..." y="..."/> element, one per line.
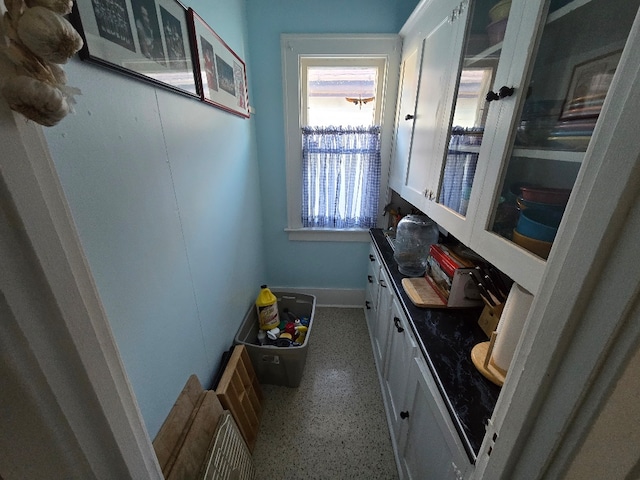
<point x="330" y="297"/>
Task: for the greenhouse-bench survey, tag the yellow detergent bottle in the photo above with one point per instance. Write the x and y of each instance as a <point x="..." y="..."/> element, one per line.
<point x="267" y="306"/>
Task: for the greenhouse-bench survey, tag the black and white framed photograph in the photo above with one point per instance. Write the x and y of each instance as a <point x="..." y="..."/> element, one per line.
<point x="148" y="39"/>
<point x="220" y="72"/>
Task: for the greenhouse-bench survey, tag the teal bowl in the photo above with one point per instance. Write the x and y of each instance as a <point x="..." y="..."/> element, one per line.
<point x="539" y="224"/>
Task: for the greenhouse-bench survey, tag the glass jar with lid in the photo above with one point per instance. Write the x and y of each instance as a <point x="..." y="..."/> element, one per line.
<point x="414" y="236"/>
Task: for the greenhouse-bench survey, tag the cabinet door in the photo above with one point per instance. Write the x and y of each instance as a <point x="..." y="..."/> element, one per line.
<point x="400" y="353"/>
<point x="430" y="447"/>
<point x="409" y="77"/>
<point x="371" y="290"/>
<point x="441" y="53"/>
<point x="563" y="61"/>
<point x="382" y="328"/>
<point x="459" y="173"/>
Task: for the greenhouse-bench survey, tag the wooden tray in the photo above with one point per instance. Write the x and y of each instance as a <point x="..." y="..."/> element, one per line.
<point x="421" y="293"/>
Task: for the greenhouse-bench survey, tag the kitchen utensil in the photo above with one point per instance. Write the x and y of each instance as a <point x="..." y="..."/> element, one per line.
<point x="421" y="293"/>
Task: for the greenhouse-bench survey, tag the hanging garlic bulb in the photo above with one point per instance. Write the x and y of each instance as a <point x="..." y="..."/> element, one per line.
<point x="48" y="35"/>
<point x="36" y="100"/>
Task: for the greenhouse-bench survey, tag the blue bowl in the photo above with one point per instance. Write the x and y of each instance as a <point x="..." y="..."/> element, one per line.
<point x="539" y="224"/>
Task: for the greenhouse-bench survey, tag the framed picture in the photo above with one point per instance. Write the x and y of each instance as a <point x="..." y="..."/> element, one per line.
<point x="588" y="87"/>
<point x="148" y="39"/>
<point x="221" y="74"/>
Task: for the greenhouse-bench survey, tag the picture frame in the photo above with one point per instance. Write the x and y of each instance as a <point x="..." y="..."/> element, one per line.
<point x="588" y="86"/>
<point x="221" y="74"/>
<point x="146" y="39"/>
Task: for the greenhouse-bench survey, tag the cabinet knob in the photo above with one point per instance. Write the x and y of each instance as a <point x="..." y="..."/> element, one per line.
<point x="367" y="304"/>
<point x="396" y="322"/>
<point x="404" y="415"/>
<point x="505" y="91"/>
<point x="408" y="116"/>
<point x="372" y="258"/>
<point x="370" y="278"/>
<point x="502" y="93"/>
<point x="383" y="284"/>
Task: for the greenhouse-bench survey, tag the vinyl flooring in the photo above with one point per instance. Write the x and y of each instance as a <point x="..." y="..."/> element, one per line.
<point x="332" y="426"/>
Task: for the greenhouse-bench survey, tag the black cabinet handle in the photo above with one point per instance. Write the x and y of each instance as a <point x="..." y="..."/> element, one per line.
<point x="491" y="96"/>
<point x="408" y="116"/>
<point x="396" y="322"/>
<point x="372" y="258"/>
<point x="370" y="278"/>
<point x="505" y="91"/>
<point x="404" y="415"/>
<point x="383" y="284"/>
<point x="368" y="305"/>
<point x="502" y="93"/>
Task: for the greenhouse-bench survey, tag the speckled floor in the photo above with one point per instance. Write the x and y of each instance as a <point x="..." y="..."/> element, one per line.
<point x="333" y="425"/>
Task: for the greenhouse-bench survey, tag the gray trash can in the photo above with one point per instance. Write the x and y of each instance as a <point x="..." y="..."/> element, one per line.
<point x="278" y="365"/>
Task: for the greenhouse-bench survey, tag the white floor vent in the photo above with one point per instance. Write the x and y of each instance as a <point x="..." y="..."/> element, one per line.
<point x="228" y="457"/>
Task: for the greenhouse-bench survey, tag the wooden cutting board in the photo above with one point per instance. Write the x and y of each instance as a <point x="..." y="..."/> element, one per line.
<point x="421" y="293"/>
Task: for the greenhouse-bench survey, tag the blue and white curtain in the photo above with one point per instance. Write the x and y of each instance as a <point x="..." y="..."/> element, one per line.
<point x="460" y="168"/>
<point x="340" y="176"/>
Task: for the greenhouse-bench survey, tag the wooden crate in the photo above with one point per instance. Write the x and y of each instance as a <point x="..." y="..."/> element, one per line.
<point x="239" y="392"/>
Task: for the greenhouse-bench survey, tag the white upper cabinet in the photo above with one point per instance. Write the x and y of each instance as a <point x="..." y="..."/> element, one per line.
<point x="563" y="58"/>
<point x="405" y="114"/>
<point x="502" y="156"/>
<point x="441" y="47"/>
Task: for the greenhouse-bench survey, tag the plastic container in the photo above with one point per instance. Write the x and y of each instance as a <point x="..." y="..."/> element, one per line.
<point x="414" y="237"/>
<point x="267" y="309"/>
<point x="278" y="365"/>
<point x="539" y="224"/>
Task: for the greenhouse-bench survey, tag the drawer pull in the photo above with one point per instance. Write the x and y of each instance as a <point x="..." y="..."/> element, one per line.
<point x="408" y="116"/>
<point x="404" y="415"/>
<point x="383" y="284"/>
<point x="370" y="278"/>
<point x="396" y="322"/>
<point x="372" y="258"/>
<point x="367" y="304"/>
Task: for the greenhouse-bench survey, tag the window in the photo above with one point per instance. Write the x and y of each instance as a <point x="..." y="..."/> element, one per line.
<point x="337" y="136"/>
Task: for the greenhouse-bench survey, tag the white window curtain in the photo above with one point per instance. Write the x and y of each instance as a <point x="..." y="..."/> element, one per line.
<point x="340" y="176"/>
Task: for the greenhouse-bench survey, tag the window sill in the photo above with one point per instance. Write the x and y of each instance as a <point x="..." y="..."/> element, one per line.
<point x="328" y="235"/>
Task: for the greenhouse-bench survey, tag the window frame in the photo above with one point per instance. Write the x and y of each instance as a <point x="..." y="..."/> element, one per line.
<point x="337" y="61"/>
<point x="294" y="48"/>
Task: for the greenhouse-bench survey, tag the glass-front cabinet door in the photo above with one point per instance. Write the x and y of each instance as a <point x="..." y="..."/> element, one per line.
<point x="563" y="58"/>
<point x="475" y="75"/>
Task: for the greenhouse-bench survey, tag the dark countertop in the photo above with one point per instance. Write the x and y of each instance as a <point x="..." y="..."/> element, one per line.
<point x="446" y="337"/>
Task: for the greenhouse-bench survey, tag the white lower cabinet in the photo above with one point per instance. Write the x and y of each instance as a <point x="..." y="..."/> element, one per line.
<point x="401" y="351"/>
<point x="429" y="446"/>
<point x="426" y="443"/>
<point x="382" y="326"/>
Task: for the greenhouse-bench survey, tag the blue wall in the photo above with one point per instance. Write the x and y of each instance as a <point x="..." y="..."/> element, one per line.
<point x="289" y="263"/>
<point x="165" y="194"/>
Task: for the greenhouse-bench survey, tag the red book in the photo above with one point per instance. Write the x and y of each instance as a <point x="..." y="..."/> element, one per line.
<point x="448" y="264"/>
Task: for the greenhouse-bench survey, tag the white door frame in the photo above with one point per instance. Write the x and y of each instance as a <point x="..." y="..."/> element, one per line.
<point x="61" y="354"/>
